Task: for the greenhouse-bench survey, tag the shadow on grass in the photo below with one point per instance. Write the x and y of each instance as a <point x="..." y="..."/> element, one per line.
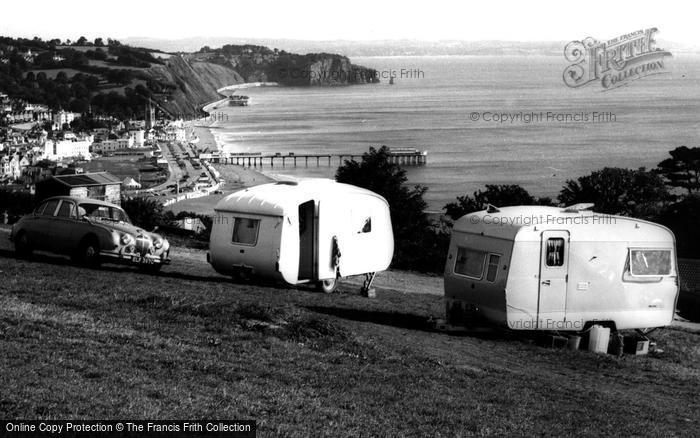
<point x="394" y="319"/>
<point x="58" y="260"/>
<point x="416" y="322"/>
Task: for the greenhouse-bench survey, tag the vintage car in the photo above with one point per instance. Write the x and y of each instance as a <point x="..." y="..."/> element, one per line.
<point x="90" y="231"/>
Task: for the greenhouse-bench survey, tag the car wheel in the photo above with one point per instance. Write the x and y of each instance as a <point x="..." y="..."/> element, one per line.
<point x="90" y="253"/>
<point x="22" y="247"/>
<point x="327" y="286"/>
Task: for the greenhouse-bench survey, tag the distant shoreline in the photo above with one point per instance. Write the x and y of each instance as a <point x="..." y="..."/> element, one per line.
<point x="235" y="177"/>
<point x="214" y="105"/>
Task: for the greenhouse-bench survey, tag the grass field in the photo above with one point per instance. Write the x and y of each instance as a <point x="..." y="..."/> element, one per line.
<point x="124" y="166"/>
<point x="188" y="343"/>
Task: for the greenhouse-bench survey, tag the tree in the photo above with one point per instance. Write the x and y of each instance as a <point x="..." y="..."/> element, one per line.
<point x="683" y="218"/>
<point x="418" y="245"/>
<point x="628" y="192"/>
<point x="146" y="213"/>
<point x="682" y="169"/>
<point x="99" y="42"/>
<point x="81" y="41"/>
<point x="15" y="203"/>
<point x="79" y="105"/>
<point x="499" y="195"/>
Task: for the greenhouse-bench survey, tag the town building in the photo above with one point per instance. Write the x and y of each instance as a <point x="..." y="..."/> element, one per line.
<point x="173" y="132"/>
<point x="61" y="118"/>
<point x="113" y="145"/>
<point x="131" y="184"/>
<point x="5" y="167"/>
<point x="13" y="166"/>
<point x="100" y="185"/>
<point x="139" y="137"/>
<point x="68" y="148"/>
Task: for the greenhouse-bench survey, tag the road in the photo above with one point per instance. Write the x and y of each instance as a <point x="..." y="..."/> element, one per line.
<point x="175" y="172"/>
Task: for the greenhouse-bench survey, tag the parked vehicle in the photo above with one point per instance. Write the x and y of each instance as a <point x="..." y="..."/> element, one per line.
<point x="311" y="231"/>
<point x="689" y="296"/>
<point x="90" y="231"/>
<point x="548" y="268"/>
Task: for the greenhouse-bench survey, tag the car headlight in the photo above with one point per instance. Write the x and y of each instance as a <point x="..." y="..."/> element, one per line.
<point x="157" y="242"/>
<point x="127" y="239"/>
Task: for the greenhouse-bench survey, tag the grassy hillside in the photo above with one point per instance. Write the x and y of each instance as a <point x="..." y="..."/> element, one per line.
<point x="117" y="79"/>
<point x="188" y="343"/>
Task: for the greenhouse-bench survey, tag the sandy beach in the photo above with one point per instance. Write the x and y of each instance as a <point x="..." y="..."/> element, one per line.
<point x="236" y="177"/>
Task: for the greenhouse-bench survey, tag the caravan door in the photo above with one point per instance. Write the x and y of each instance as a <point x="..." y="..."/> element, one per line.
<point x="307" y="241"/>
<point x="553" y="280"/>
<point x="333" y="235"/>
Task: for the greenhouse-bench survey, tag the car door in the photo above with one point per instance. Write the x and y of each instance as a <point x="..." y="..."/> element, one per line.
<point x="39" y="230"/>
<point x="30" y="225"/>
<point x="63" y="226"/>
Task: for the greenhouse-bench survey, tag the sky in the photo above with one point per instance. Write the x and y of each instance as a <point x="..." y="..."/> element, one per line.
<point x="428" y="20"/>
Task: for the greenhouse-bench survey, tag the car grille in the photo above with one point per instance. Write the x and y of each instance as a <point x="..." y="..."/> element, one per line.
<point x="142" y="245"/>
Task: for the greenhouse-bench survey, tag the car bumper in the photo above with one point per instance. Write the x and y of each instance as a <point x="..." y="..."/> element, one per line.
<point x="136" y="259"/>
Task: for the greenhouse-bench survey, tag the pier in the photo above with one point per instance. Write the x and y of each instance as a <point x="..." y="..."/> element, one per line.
<point x="400" y="156"/>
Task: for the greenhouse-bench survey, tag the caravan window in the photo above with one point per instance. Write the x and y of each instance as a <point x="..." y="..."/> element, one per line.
<point x="367" y="227"/>
<point x="650" y="262"/>
<point x="470" y="262"/>
<point x="361" y="221"/>
<point x="555" y="252"/>
<point x="493" y="267"/>
<point x="245" y="231"/>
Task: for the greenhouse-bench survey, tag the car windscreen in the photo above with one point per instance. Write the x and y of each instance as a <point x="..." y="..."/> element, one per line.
<point x="99" y="211"/>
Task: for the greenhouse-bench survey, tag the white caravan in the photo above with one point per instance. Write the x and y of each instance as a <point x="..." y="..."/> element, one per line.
<point x="549" y="268"/>
<point x="309" y="231"/>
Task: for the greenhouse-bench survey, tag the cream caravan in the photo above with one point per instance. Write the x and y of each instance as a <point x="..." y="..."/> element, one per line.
<point x="310" y="231"/>
<point x="548" y="268"/>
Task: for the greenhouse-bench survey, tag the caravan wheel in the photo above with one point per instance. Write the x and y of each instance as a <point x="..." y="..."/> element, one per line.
<point x="327" y="286"/>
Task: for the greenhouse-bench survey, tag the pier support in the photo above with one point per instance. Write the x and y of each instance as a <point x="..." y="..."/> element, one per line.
<point x="402" y="158"/>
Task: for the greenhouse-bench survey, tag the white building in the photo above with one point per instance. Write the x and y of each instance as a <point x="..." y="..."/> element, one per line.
<point x="63" y="117"/>
<point x="130" y="183"/>
<point x="114" y="145"/>
<point x="11" y="167"/>
<point x="126" y="142"/>
<point x="138" y="136"/>
<point x="68" y="148"/>
<point x="5" y="166"/>
<point x="175" y="132"/>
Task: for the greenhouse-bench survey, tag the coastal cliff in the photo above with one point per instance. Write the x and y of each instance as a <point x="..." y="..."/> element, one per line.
<point x="193" y="78"/>
<point x="194" y="83"/>
<point x="116" y="80"/>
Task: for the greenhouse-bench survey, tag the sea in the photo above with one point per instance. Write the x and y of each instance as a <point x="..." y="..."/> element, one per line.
<point x="481" y="119"/>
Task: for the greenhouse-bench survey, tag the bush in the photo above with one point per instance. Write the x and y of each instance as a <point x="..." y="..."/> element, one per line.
<point x="16" y="203"/>
<point x="683" y="218"/>
<point x="147" y="213"/>
<point x="497" y="195"/>
<point x="627" y="192"/>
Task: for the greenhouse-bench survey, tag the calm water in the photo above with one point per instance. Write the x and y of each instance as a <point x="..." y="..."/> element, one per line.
<point x="432" y="112"/>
